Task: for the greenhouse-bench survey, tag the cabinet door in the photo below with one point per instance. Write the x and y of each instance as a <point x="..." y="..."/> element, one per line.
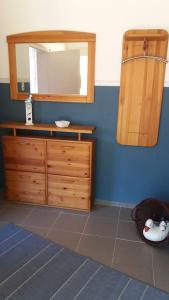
<point x="69" y="192"/>
<point x="24" y="154"/>
<point x="69" y="158"/>
<point x="25" y="187"/>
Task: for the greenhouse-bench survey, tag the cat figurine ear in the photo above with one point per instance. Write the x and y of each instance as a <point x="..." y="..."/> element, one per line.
<point x="163" y="226"/>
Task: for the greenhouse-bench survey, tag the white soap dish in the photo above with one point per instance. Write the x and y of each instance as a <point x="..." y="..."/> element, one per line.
<point x="62" y="123"/>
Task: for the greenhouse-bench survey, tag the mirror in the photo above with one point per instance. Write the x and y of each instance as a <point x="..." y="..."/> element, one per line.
<point x="52" y="66"/>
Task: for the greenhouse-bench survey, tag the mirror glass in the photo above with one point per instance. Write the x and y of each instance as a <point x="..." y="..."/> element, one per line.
<point x="52" y="68"/>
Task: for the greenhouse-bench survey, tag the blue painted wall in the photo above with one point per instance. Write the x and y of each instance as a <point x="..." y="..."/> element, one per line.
<point x="123" y="174"/>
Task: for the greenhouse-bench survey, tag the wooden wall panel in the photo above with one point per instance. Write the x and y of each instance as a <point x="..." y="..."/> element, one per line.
<point x="141" y="87"/>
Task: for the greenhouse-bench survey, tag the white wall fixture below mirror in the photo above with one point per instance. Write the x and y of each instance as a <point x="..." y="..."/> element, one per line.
<point x="52" y="66"/>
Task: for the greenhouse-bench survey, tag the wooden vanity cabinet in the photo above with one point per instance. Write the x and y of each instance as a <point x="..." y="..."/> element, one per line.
<point x="56" y="172"/>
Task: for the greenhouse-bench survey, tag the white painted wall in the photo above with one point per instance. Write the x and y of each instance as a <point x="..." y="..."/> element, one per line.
<point x="109" y="19"/>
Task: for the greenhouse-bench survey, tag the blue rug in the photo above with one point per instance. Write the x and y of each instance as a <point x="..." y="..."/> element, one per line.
<point x="33" y="268"/>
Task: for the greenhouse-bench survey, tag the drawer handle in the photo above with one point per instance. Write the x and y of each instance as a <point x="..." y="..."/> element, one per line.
<point x="23" y="143"/>
<point x="67" y="147"/>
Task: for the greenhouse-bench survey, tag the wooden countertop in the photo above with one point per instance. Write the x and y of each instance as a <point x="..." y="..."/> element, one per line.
<point x="79" y="129"/>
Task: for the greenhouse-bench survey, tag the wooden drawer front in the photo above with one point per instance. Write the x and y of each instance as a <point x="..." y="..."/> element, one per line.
<point x="24" y="154"/>
<point x="25" y="187"/>
<point x="68" y="158"/>
<point x="69" y="192"/>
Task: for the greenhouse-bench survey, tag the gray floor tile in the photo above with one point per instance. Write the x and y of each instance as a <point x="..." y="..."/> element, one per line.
<point x="134" y="259"/>
<point x="41" y="218"/>
<point x="125" y="214"/>
<point x="127" y="230"/>
<point x="98" y="248"/>
<point x="70" y="222"/>
<point x="38" y="230"/>
<point x="101" y="226"/>
<point x="14" y="214"/>
<point x="105" y="211"/>
<point x="161" y="268"/>
<point x="131" y="257"/>
<point x="64" y="238"/>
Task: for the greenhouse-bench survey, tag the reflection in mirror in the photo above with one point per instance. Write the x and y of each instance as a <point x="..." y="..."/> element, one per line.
<point x="52" y="68"/>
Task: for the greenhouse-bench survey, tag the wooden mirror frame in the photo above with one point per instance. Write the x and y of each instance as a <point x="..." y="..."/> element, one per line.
<point x="52" y="37"/>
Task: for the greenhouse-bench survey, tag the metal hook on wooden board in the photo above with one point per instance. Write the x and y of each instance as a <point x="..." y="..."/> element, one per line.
<point x="145" y="55"/>
<point x="145" y="46"/>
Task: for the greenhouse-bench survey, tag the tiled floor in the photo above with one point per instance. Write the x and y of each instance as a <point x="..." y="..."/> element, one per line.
<point x="107" y="234"/>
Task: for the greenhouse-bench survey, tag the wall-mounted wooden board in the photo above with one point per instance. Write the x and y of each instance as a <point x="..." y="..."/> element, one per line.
<point x="141" y="86"/>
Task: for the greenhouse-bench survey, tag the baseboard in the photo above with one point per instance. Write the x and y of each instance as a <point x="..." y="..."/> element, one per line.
<point x="1" y="191"/>
<point x="112" y="203"/>
<point x="97" y="201"/>
<point x="1" y="194"/>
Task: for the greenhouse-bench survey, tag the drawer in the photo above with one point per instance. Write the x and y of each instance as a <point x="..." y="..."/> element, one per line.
<point x="69" y="192"/>
<point x="69" y="158"/>
<point x="25" y="187"/>
<point x="24" y="154"/>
